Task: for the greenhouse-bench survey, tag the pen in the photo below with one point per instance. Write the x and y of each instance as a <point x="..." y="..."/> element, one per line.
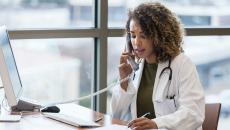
<point x="98" y="119"/>
<point x="145" y="114"/>
<point x="129" y="124"/>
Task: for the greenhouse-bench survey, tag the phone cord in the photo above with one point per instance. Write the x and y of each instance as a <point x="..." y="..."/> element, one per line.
<point x="95" y="93"/>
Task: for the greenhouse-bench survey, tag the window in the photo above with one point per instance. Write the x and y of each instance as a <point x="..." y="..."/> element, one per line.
<point x="195" y="20"/>
<point x="192" y="13"/>
<point x="212" y="59"/>
<point x="57" y="69"/>
<point x="115" y="48"/>
<point x="47" y="14"/>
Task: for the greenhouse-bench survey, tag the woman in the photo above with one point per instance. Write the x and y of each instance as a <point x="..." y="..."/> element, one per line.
<point x="166" y="85"/>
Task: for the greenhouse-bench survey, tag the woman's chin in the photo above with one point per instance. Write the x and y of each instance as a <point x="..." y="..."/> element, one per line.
<point x="140" y="56"/>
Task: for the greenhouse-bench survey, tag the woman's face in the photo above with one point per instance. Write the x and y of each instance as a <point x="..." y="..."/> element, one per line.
<point x="142" y="45"/>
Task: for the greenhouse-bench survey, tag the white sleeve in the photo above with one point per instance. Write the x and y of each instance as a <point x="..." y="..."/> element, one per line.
<point x="121" y="101"/>
<point x="191" y="110"/>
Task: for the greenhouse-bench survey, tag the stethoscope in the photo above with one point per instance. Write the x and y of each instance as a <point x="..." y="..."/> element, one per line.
<point x="164" y="70"/>
<point x="170" y="78"/>
<point x="167" y="68"/>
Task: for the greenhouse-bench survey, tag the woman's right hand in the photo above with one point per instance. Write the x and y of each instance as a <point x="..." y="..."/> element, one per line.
<point x="124" y="69"/>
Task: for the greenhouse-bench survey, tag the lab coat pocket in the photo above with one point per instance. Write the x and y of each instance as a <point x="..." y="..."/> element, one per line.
<point x="165" y="107"/>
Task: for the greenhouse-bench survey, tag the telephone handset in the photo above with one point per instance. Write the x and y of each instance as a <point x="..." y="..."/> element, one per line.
<point x="134" y="65"/>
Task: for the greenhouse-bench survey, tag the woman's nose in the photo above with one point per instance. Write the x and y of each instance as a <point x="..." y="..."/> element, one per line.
<point x="137" y="41"/>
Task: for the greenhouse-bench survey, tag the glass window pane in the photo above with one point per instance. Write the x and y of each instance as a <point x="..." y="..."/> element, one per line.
<point x="46" y="14"/>
<point x="116" y="46"/>
<point x="117" y="13"/>
<point x="212" y="58"/>
<point x="54" y="70"/>
<point x="191" y="12"/>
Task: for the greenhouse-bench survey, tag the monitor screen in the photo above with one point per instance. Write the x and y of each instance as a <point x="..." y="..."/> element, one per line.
<point x="8" y="69"/>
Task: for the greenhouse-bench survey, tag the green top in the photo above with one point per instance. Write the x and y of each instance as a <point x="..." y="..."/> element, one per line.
<point x="145" y="91"/>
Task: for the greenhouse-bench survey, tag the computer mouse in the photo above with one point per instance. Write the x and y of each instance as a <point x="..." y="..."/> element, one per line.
<point x="52" y="109"/>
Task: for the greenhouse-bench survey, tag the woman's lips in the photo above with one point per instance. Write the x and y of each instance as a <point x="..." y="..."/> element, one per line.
<point x="139" y="51"/>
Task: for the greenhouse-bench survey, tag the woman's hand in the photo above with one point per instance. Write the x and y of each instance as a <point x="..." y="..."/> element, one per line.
<point x="142" y="123"/>
<point x="124" y="69"/>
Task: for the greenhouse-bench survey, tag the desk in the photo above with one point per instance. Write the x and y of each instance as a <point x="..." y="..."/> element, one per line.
<point x="38" y="122"/>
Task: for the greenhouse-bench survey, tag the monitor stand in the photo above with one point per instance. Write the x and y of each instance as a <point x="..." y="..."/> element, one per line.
<point x="15" y="114"/>
<point x="25" y="105"/>
<point x="10" y="118"/>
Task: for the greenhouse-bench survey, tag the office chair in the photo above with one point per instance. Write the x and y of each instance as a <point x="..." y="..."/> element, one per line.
<point x="212" y="112"/>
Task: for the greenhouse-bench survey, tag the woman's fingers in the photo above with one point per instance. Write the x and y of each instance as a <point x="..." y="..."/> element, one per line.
<point x="142" y="123"/>
<point x="134" y="121"/>
<point x="138" y="122"/>
<point x="125" y="70"/>
<point x="125" y="56"/>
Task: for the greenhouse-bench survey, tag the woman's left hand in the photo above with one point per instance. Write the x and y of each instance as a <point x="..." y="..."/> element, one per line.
<point x="142" y="123"/>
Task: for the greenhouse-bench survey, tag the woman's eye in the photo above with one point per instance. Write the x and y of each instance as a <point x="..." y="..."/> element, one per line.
<point x="133" y="36"/>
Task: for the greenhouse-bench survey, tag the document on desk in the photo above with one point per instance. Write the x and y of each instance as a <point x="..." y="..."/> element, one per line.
<point x="113" y="127"/>
<point x="118" y="127"/>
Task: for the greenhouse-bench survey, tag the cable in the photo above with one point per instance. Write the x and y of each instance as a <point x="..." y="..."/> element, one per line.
<point x="94" y="94"/>
<point x="84" y="97"/>
<point x="5" y="105"/>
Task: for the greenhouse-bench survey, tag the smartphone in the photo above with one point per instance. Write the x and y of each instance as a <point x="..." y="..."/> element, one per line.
<point x="134" y="65"/>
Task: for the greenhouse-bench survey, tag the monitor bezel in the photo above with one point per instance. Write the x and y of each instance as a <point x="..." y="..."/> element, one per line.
<point x="11" y="96"/>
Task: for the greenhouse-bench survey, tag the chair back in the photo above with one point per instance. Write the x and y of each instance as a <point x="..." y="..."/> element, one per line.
<point x="212" y="112"/>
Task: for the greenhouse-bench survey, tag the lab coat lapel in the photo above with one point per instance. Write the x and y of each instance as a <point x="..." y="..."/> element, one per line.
<point x="138" y="75"/>
<point x="158" y="89"/>
<point x="136" y="82"/>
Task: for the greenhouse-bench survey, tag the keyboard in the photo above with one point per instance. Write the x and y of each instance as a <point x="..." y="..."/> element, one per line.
<point x="71" y="120"/>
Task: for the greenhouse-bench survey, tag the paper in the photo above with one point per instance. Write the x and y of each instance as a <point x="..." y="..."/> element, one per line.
<point x="118" y="127"/>
<point x="113" y="127"/>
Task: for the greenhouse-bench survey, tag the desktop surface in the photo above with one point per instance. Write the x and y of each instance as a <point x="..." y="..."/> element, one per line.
<point x="39" y="122"/>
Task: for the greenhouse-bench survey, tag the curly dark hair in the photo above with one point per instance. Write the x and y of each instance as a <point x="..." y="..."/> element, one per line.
<point x="160" y="25"/>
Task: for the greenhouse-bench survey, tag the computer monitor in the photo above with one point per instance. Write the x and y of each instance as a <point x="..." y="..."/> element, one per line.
<point x="10" y="77"/>
<point x="8" y="70"/>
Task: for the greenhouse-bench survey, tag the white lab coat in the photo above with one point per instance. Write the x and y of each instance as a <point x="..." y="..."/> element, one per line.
<point x="184" y="112"/>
